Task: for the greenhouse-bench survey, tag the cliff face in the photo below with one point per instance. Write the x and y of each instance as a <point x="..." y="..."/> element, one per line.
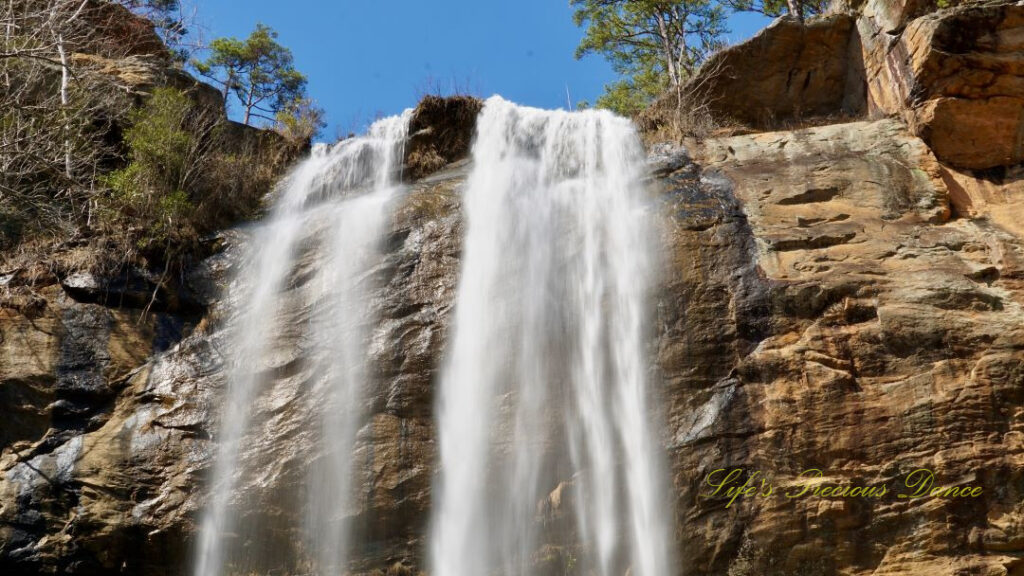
<point x="845" y="298"/>
<point x="891" y="340"/>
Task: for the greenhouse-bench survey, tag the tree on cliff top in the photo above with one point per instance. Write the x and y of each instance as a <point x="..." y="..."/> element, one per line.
<point x="654" y="44"/>
<point x="258" y="70"/>
<point x="775" y="8"/>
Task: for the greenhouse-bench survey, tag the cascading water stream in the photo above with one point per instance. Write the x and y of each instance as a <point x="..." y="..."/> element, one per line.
<point x="545" y="386"/>
<point x="337" y="201"/>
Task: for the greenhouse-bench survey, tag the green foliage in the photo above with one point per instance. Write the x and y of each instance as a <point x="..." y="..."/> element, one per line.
<point x="174" y="207"/>
<point x="189" y="172"/>
<point x="124" y="184"/>
<point x="300" y="121"/>
<point x="79" y="160"/>
<point x="259" y="71"/>
<point x="225" y="64"/>
<point x="163" y="147"/>
<point x="653" y="44"/>
<point x="775" y="8"/>
<point x="157" y="138"/>
<point x="630" y="96"/>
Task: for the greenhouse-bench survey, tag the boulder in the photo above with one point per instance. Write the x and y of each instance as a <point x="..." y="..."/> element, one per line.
<point x="125" y="33"/>
<point x="956" y="76"/>
<point x="440" y="132"/>
<point x="788" y="71"/>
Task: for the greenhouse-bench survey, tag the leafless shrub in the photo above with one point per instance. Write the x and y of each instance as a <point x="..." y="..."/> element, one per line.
<point x="239" y="175"/>
<point x="73" y="72"/>
<point x="56" y="112"/>
<point x="452" y="87"/>
<point x="685" y="111"/>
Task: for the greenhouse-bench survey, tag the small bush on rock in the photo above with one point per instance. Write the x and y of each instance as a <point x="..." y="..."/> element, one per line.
<point x="170" y="142"/>
<point x="189" y="172"/>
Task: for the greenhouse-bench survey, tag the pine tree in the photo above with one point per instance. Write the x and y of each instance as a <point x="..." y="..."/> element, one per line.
<point x="259" y="71"/>
<point x="796" y="8"/>
<point x="654" y="44"/>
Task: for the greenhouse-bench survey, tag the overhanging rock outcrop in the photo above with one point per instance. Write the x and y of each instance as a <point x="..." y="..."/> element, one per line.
<point x="954" y="76"/>
<point x="788" y="71"/>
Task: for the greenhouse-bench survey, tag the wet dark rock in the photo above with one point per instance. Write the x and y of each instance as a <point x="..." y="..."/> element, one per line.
<point x="134" y="288"/>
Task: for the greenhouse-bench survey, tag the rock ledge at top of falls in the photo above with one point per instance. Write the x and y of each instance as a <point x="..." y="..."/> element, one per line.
<point x="955" y="76"/>
<point x="440" y="132"/>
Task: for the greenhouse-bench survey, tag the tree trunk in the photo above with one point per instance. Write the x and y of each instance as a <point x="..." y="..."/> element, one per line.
<point x="250" y="97"/>
<point x="796" y="8"/>
<point x="248" y="107"/>
<point x="227" y="88"/>
<point x="666" y="47"/>
<point x="65" y="78"/>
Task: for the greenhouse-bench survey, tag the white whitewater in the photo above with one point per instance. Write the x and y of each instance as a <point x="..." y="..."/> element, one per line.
<point x="546" y="376"/>
<point x="337" y="200"/>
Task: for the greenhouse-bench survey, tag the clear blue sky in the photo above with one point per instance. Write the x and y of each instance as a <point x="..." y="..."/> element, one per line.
<point x="366" y="58"/>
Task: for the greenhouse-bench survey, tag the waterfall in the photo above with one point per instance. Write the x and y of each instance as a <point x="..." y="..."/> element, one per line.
<point x="337" y="202"/>
<point x="544" y="391"/>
